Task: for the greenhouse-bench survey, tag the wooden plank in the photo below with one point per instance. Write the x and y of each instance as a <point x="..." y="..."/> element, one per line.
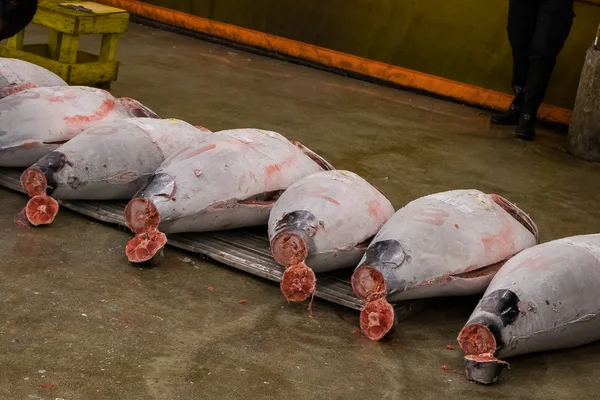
<point x="54" y="20"/>
<point x="69" y="45"/>
<point x="16" y="42"/>
<point x="54" y="43"/>
<point x="93" y="73"/>
<point x="108" y="47"/>
<point x="246" y="250"/>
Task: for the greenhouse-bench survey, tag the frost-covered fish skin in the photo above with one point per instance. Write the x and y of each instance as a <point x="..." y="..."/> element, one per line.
<point x="544" y="298"/>
<point x="109" y="161"/>
<point x="35" y="122"/>
<point x="230" y="181"/>
<point x="444" y="244"/>
<point x="18" y="75"/>
<point x="321" y="223"/>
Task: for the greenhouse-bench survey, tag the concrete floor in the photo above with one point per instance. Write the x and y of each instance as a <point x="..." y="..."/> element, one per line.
<point x="74" y="314"/>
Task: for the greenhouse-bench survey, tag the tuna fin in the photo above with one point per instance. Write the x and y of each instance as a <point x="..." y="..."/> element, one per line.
<point x="58" y="142"/>
<point x="267" y="198"/>
<point x="137" y="109"/>
<point x="518" y="214"/>
<point x="479" y="272"/>
<point x="323" y="163"/>
<point x="364" y="245"/>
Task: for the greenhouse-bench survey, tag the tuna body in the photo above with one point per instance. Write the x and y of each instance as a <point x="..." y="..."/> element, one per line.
<point x="324" y="222"/>
<point x="544" y="298"/>
<point x="18" y="75"/>
<point x="445" y="244"/>
<point x="35" y="122"/>
<point x="111" y="160"/>
<point x="230" y="181"/>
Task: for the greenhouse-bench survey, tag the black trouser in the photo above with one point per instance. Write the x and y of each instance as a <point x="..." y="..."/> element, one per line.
<point x="537" y="30"/>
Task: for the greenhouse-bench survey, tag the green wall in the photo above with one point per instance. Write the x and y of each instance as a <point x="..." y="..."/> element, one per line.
<point x="462" y="40"/>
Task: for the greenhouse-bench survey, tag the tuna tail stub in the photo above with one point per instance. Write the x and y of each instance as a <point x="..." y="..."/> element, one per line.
<point x="143" y="219"/>
<point x="298" y="282"/>
<point x="479" y="344"/>
<point x="484" y="368"/>
<point x="290" y="249"/>
<point x="377" y="319"/>
<point x="41" y="210"/>
<point x="34" y="182"/>
<point x="369" y="280"/>
<point x="137" y="109"/>
<point x="141" y="215"/>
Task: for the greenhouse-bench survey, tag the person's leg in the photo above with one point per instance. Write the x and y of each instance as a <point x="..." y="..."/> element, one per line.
<point x="554" y="22"/>
<point x="522" y="17"/>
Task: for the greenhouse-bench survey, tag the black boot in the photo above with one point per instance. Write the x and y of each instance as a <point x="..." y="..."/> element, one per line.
<point x="526" y="128"/>
<point x="511" y="116"/>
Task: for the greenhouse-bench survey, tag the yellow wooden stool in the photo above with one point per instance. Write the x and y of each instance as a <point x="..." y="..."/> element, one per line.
<point x="61" y="55"/>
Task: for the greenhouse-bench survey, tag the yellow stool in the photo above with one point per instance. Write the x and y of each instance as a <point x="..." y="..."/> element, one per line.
<point x="61" y="55"/>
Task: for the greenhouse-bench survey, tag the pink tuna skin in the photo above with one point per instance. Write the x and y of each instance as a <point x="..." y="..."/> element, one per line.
<point x="321" y="223"/>
<point x="544" y="298"/>
<point x="61" y="114"/>
<point x="446" y="244"/>
<point x="111" y="160"/>
<point x="230" y="181"/>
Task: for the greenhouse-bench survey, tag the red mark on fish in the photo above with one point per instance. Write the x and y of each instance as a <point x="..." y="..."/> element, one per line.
<point x="318" y="194"/>
<point x="200" y="151"/>
<point x="273" y="171"/>
<point x="74" y="122"/>
<point x="16" y="88"/>
<point x="432" y="217"/>
<point x="376" y="210"/>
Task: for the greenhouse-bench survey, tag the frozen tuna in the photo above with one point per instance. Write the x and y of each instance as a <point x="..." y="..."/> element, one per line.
<point x="445" y="244"/>
<point x="35" y="122"/>
<point x="109" y="161"/>
<point x="321" y="223"/>
<point x="544" y="298"/>
<point x="230" y="181"/>
<point x="18" y="75"/>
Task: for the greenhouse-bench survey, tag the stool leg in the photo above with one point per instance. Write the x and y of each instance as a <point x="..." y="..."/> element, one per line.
<point x="68" y="48"/>
<point x="108" y="49"/>
<point x="16" y="42"/>
<point x="54" y="43"/>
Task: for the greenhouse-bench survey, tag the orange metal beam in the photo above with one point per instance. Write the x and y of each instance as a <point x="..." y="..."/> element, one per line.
<point x="433" y="84"/>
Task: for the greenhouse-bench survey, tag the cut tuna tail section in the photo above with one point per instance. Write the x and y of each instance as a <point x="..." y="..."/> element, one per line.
<point x="41" y="210"/>
<point x="290" y="247"/>
<point x="143" y="219"/>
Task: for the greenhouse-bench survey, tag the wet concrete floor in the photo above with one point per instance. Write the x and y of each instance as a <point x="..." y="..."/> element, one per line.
<point x="78" y="322"/>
